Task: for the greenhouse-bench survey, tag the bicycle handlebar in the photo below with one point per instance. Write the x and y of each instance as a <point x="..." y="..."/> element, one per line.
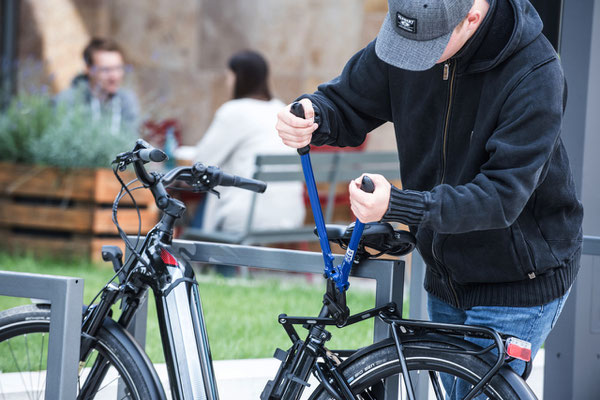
<point x="156" y="155"/>
<point x="199" y="176"/>
<point x="243" y="183"/>
<point x="212" y="176"/>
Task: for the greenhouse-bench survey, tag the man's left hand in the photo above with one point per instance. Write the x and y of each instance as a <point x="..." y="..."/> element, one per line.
<point x="370" y="207"/>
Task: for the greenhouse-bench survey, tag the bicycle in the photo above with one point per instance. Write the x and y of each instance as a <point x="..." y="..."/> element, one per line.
<point x="108" y="353"/>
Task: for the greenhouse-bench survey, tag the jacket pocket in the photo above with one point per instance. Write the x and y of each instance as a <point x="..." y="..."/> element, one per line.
<point x="492" y="256"/>
<point x="425" y="239"/>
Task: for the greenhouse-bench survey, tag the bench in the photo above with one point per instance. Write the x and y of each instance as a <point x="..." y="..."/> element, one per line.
<point x="332" y="171"/>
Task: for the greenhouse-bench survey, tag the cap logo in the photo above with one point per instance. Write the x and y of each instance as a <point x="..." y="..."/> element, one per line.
<point x="405" y="23"/>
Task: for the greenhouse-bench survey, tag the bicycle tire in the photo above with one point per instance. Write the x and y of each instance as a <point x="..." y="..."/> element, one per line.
<point x="367" y="372"/>
<point x="29" y="326"/>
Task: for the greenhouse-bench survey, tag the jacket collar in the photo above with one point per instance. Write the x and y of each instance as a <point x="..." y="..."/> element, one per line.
<point x="508" y="26"/>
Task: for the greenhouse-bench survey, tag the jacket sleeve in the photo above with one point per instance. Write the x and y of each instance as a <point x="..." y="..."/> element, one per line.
<point x="354" y="103"/>
<point x="520" y="149"/>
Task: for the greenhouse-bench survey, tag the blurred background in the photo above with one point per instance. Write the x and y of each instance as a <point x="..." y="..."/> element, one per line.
<point x="177" y="52"/>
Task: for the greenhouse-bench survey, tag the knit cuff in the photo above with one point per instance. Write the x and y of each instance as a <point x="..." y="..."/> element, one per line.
<point x="406" y="206"/>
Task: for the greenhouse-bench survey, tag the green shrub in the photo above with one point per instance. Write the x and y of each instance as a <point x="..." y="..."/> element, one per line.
<point x="24" y="120"/>
<point x="33" y="130"/>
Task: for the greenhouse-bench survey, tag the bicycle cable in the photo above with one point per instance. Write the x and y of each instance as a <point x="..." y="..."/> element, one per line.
<point x="122" y="233"/>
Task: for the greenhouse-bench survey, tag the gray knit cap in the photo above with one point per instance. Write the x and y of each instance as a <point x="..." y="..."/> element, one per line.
<point x="415" y="33"/>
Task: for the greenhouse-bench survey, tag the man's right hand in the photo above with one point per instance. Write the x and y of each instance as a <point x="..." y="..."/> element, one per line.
<point x="296" y="132"/>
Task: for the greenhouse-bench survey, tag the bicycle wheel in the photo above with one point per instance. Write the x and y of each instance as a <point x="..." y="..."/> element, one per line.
<point x="367" y="374"/>
<point x="24" y="349"/>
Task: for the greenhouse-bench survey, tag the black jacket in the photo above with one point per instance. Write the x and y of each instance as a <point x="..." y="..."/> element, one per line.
<point x="487" y="184"/>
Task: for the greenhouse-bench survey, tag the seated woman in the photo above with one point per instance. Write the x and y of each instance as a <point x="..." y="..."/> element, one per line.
<point x="241" y="129"/>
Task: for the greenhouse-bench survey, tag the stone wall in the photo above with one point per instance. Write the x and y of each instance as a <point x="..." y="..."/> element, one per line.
<point x="178" y="50"/>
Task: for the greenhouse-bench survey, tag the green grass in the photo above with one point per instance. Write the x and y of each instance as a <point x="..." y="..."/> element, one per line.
<point x="241" y="314"/>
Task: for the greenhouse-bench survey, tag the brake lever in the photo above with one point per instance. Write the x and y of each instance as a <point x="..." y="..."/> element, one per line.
<point x="198" y="178"/>
<point x="123" y="160"/>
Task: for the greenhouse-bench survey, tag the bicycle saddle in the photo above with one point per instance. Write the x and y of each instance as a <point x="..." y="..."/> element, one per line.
<point x="379" y="236"/>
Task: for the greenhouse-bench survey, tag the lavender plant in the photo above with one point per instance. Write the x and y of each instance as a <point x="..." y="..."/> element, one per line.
<point x="34" y="130"/>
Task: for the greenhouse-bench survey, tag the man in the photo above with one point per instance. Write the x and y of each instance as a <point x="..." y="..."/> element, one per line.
<point x="100" y="86"/>
<point x="476" y="94"/>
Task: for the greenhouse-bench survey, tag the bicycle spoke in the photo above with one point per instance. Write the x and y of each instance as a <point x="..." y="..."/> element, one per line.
<point x="28" y="362"/>
<point x="40" y="367"/>
<point x="374" y="392"/>
<point x="40" y="380"/>
<point x="18" y="369"/>
<point x="108" y="384"/>
<point x="437" y="388"/>
<point x="126" y="397"/>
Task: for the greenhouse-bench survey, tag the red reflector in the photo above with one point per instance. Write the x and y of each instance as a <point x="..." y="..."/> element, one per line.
<point x="167" y="257"/>
<point x="518" y="349"/>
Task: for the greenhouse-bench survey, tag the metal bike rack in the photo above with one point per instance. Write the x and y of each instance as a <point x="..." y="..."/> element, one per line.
<point x="388" y="276"/>
<point x="65" y="295"/>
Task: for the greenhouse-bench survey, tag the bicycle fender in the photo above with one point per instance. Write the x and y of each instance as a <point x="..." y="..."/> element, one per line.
<point x="517" y="383"/>
<point x="139" y="355"/>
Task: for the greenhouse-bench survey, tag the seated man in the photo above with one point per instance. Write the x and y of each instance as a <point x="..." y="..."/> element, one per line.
<point x="100" y="86"/>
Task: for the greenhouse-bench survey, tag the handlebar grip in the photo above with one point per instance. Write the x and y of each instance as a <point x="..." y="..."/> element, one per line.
<point x="152" y="154"/>
<point x="243" y="183"/>
<point x="298" y="110"/>
<point x="367" y="185"/>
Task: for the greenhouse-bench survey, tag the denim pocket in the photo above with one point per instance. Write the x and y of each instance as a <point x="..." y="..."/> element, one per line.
<point x="559" y="308"/>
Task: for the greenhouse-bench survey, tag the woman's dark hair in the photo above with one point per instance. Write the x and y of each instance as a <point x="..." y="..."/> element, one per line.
<point x="251" y="73"/>
<point x="99" y="44"/>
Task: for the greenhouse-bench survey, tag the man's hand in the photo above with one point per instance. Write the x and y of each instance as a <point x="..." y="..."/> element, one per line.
<point x="370" y="207"/>
<point x="296" y="132"/>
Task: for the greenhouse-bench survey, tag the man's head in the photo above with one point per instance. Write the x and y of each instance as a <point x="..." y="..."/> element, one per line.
<point x="104" y="66"/>
<point x="417" y="34"/>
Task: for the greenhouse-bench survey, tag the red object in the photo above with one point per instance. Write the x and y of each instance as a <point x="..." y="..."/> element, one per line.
<point x="518" y="349"/>
<point x="325" y="148"/>
<point x="168" y="258"/>
<point x="155" y="132"/>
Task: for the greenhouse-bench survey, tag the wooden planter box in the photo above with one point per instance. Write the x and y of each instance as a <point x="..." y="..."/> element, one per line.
<point x="68" y="213"/>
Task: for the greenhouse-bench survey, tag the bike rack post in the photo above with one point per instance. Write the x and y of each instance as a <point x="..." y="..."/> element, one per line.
<point x="66" y="298"/>
<point x="571" y="364"/>
<point x="418" y="310"/>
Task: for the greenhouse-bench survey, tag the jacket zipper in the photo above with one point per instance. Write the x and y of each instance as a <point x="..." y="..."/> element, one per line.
<point x="447" y="74"/>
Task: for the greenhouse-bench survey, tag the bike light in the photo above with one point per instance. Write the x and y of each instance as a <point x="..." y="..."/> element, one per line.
<point x="167" y="258"/>
<point x="518" y="349"/>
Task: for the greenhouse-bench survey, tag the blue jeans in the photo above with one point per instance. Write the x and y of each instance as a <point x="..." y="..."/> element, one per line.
<point x="532" y="324"/>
